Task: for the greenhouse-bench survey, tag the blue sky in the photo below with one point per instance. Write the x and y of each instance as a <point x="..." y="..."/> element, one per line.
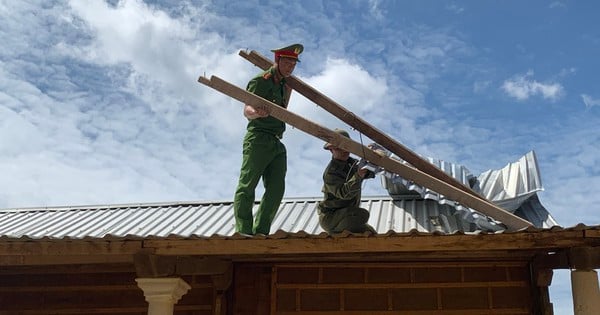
<point x="99" y="102"/>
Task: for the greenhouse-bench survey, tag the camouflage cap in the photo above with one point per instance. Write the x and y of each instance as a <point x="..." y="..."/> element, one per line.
<point x="342" y="132"/>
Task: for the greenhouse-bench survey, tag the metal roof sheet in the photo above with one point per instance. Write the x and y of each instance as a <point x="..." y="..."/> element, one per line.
<point x="513" y="188"/>
<point x="513" y="184"/>
<point x="409" y="207"/>
<point x="215" y="218"/>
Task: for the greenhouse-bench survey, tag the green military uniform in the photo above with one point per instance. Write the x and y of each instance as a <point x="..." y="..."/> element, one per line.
<point x="263" y="154"/>
<point x="340" y="209"/>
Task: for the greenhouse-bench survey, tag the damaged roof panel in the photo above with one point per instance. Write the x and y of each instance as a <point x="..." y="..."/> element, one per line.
<point x="513" y="188"/>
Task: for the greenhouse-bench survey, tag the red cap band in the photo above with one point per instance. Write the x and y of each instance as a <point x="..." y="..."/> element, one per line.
<point x="286" y="53"/>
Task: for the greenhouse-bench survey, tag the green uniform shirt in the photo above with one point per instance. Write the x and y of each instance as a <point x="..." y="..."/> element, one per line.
<point x="341" y="185"/>
<point x="264" y="86"/>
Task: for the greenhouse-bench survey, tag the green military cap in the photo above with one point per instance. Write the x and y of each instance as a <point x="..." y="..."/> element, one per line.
<point x="342" y="132"/>
<point x="291" y="51"/>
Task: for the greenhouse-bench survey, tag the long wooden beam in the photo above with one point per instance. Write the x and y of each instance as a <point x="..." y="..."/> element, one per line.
<point x="512" y="221"/>
<point x="362" y="126"/>
<point x="444" y="245"/>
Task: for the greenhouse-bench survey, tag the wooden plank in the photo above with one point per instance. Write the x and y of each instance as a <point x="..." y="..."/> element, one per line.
<point x="592" y="233"/>
<point x="108" y="310"/>
<point x="68" y="269"/>
<point x="71" y="247"/>
<point x="395" y="265"/>
<point x="103" y="310"/>
<point x="497" y="255"/>
<point x="512" y="221"/>
<point x="361" y="125"/>
<point x="72" y="288"/>
<point x="584" y="257"/>
<point x="48" y="259"/>
<point x="272" y="248"/>
<point x="413" y="312"/>
<point x="403" y="285"/>
<point x="43" y="252"/>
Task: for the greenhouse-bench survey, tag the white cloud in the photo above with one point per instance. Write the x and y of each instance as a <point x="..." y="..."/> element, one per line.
<point x="376" y="12"/>
<point x="590" y="101"/>
<point x="161" y="52"/>
<point x="453" y="7"/>
<point x="522" y="87"/>
<point x="351" y="85"/>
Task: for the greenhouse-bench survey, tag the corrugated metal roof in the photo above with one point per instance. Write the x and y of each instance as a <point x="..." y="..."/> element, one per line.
<point x="206" y="219"/>
<point x="213" y="218"/>
<point x="410" y="208"/>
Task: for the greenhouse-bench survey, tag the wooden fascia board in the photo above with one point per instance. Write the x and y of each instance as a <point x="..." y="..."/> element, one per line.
<point x="369" y="245"/>
<point x="65" y="251"/>
<point x="50" y="259"/>
<point x="46" y="252"/>
<point x="576" y="257"/>
<point x="70" y="247"/>
<point x="592" y="233"/>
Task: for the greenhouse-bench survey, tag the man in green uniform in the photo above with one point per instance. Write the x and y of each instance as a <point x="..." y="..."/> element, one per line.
<point x="263" y="153"/>
<point x="340" y="208"/>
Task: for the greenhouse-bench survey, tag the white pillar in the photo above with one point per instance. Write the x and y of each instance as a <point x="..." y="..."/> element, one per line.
<point x="586" y="292"/>
<point x="162" y="293"/>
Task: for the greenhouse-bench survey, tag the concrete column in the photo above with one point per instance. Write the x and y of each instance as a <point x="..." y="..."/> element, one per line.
<point x="586" y="292"/>
<point x="162" y="293"/>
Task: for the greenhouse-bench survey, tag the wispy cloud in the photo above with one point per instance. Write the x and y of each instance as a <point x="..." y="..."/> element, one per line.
<point x="453" y="7"/>
<point x="590" y="101"/>
<point x="522" y="87"/>
<point x="375" y="10"/>
<point x="557" y="4"/>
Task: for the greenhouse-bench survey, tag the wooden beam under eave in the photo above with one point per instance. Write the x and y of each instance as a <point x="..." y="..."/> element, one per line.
<point x="416" y="258"/>
<point x="65" y="259"/>
<point x="362" y="245"/>
<point x="584" y="257"/>
<point x="86" y="268"/>
<point x="592" y="233"/>
<point x="153" y="266"/>
<point x="69" y="247"/>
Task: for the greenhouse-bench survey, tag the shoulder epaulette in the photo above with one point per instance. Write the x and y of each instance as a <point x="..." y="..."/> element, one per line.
<point x="267" y="75"/>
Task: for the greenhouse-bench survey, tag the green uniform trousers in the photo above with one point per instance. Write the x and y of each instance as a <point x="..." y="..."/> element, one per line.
<point x="352" y="219"/>
<point x="263" y="156"/>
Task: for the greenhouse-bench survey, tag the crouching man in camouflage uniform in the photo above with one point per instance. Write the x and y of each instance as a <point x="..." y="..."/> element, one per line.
<point x="340" y="209"/>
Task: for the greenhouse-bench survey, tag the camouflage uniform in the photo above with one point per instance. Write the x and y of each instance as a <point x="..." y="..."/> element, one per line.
<point x="340" y="209"/>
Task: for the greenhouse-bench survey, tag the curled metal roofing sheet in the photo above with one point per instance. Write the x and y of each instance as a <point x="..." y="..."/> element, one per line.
<point x="513" y="188"/>
<point x="513" y="184"/>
